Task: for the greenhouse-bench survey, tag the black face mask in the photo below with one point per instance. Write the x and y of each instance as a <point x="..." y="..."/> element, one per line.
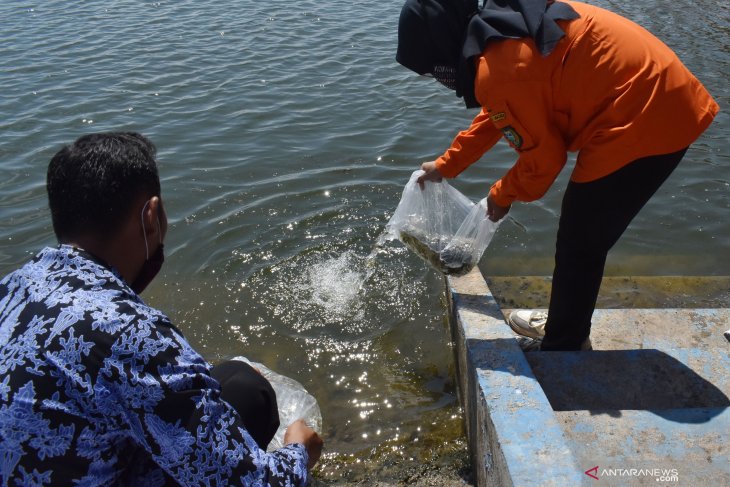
<point x="150" y="269"/>
<point x="446" y="75"/>
<point x="152" y="265"/>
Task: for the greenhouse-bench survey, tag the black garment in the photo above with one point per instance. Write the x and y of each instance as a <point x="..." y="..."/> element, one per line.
<point x="252" y="396"/>
<point x="593" y="217"/>
<point x="450" y="33"/>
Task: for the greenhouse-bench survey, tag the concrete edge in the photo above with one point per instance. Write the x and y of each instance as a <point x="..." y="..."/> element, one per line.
<point x="514" y="435"/>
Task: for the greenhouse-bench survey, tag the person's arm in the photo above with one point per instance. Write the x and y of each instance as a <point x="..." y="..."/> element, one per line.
<point x="468" y="146"/>
<point x="172" y="408"/>
<point x="525" y="120"/>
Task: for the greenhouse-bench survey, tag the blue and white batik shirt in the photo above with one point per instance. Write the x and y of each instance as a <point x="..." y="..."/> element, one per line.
<point x="97" y="388"/>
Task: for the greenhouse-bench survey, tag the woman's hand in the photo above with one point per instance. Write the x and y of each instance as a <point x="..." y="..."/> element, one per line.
<point x="431" y="173"/>
<point x="494" y="211"/>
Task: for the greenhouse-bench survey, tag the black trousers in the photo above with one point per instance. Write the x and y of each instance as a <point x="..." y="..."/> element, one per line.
<point x="252" y="396"/>
<point x="593" y="217"/>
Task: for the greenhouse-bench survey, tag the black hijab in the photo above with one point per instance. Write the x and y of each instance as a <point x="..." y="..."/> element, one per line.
<point x="438" y="33"/>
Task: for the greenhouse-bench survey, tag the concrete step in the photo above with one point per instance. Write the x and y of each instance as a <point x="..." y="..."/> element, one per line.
<point x="656" y="447"/>
<point x="648" y="406"/>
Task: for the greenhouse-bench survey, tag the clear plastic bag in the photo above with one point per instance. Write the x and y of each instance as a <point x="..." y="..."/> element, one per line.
<point x="441" y="225"/>
<point x="293" y="401"/>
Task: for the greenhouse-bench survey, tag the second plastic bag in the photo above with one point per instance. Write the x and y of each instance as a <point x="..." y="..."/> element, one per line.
<point x="293" y="401"/>
<point x="441" y="225"/>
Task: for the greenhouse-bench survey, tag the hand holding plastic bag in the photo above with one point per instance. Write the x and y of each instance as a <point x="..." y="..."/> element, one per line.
<point x="441" y="225"/>
<point x="293" y="401"/>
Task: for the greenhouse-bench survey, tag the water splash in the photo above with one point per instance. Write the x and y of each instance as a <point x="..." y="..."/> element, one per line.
<point x="333" y="284"/>
<point x="344" y="294"/>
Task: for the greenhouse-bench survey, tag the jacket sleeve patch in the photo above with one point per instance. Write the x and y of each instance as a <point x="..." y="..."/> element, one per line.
<point x="506" y="121"/>
<point x="512" y="136"/>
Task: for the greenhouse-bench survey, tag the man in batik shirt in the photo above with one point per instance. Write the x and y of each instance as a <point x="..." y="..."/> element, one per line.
<point x="96" y="387"/>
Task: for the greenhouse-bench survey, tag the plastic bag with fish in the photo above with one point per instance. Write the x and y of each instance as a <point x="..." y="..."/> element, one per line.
<point x="441" y="225"/>
<point x="293" y="401"/>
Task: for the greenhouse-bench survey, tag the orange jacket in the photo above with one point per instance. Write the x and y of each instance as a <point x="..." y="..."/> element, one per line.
<point x="610" y="90"/>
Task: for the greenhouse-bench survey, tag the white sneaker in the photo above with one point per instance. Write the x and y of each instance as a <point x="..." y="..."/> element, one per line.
<point x="528" y="323"/>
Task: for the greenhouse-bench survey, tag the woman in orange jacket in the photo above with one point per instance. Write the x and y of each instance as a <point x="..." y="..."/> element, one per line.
<point x="552" y="78"/>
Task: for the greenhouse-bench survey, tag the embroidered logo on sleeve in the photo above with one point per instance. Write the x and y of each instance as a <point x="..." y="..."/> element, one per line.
<point x="498" y="117"/>
<point x="512" y="136"/>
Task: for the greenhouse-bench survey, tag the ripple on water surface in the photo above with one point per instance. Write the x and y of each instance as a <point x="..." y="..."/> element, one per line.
<point x="286" y="131"/>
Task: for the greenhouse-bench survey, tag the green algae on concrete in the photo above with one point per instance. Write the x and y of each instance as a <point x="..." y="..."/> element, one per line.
<point x="526" y="292"/>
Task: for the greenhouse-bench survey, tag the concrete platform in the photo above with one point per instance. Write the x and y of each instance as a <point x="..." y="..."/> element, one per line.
<point x="648" y="406"/>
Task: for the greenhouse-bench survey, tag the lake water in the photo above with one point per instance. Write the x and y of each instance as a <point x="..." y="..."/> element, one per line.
<point x="286" y="132"/>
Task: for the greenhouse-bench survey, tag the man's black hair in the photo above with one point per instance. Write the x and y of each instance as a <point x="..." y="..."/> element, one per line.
<point x="93" y="183"/>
